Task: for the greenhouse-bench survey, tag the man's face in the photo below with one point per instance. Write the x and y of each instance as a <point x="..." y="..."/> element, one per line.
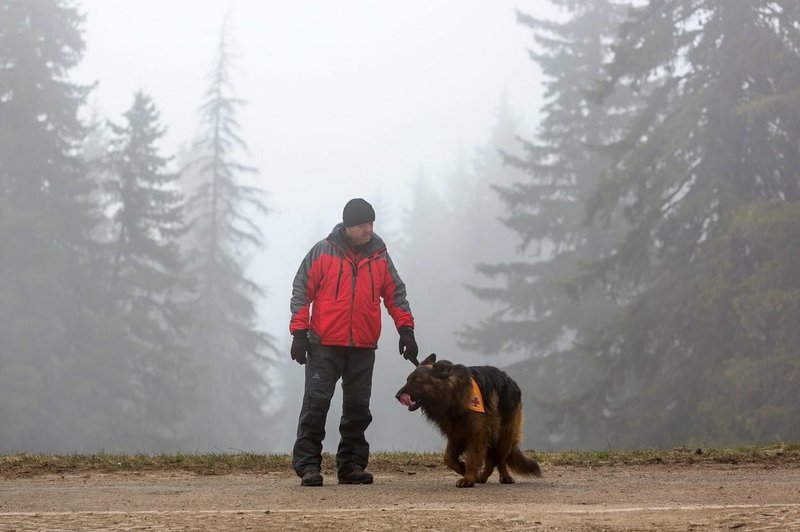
<point x="360" y="234"/>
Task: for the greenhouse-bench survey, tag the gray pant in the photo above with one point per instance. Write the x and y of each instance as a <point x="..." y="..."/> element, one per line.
<point x="324" y="367"/>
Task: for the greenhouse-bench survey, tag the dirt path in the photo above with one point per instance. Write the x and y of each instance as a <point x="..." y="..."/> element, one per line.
<point x="658" y="497"/>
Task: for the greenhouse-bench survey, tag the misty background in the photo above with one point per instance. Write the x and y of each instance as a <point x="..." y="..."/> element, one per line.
<point x="599" y="197"/>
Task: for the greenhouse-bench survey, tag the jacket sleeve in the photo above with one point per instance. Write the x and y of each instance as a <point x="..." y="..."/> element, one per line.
<point x="304" y="288"/>
<point x="393" y="292"/>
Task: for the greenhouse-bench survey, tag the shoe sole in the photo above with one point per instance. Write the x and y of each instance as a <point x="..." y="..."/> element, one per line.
<point x="355" y="481"/>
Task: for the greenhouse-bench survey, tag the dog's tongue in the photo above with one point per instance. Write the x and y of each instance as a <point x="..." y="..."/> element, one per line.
<point x="405" y="400"/>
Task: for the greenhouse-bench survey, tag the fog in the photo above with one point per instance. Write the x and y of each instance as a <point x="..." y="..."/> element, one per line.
<point x="540" y="176"/>
<point x="344" y="99"/>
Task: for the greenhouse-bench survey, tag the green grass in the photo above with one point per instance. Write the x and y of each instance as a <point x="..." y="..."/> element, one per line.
<point x="30" y="464"/>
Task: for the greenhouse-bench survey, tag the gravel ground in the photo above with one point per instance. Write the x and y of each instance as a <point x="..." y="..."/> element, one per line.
<point x="651" y="497"/>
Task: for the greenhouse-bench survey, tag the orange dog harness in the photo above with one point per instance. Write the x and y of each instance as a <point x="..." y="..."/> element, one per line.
<point x="476" y="402"/>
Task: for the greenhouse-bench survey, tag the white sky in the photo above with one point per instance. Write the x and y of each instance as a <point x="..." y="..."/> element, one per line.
<point x="345" y="98"/>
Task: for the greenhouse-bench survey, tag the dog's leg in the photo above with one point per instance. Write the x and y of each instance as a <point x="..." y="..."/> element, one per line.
<point x="505" y="477"/>
<point x="510" y="435"/>
<point x="452" y="456"/>
<point x="476" y="451"/>
<point x="504" y="451"/>
<point x="502" y="468"/>
<point x="474" y="460"/>
<point x="489" y="463"/>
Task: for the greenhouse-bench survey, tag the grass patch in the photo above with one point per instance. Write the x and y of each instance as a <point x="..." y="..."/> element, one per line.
<point x="30" y="464"/>
<point x="776" y="453"/>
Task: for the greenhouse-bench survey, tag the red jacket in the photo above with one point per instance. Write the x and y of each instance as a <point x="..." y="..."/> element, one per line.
<point x="336" y="293"/>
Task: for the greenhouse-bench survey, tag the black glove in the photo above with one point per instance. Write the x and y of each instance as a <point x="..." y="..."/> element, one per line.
<point x="300" y="346"/>
<point x="408" y="345"/>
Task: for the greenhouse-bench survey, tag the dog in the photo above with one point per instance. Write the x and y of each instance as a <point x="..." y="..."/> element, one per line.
<point x="479" y="411"/>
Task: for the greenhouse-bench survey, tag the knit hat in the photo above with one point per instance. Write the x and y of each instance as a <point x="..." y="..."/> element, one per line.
<point x="357" y="212"/>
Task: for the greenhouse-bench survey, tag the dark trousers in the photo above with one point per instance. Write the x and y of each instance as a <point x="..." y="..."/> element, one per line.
<point x="324" y="367"/>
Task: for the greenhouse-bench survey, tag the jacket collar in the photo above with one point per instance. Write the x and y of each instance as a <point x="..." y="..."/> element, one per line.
<point x="339" y="239"/>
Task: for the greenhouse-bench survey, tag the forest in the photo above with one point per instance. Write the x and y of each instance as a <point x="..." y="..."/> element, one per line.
<point x="636" y="259"/>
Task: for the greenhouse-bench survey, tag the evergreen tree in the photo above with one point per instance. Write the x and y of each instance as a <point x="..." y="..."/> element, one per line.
<point x="93" y="152"/>
<point x="707" y="178"/>
<point x="486" y="238"/>
<point x="227" y="341"/>
<point x="448" y="234"/>
<point x="479" y="232"/>
<point x="145" y="278"/>
<point x="534" y="312"/>
<point x="48" y="298"/>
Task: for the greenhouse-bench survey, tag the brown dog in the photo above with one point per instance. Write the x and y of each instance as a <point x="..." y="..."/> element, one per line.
<point x="479" y="410"/>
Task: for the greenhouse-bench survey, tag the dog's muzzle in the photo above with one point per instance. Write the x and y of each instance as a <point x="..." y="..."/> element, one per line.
<point x="406" y="400"/>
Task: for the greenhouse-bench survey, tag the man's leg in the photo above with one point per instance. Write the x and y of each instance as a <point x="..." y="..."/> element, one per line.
<point x="323" y="369"/>
<point x="353" y="452"/>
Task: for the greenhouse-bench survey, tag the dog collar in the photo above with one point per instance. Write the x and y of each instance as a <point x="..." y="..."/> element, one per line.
<point x="476" y="402"/>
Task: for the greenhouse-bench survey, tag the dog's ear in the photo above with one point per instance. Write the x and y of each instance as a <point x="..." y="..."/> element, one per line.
<point x="430" y="360"/>
<point x="443" y="368"/>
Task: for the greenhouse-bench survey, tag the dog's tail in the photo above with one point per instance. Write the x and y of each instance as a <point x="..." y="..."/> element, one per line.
<point x="522" y="464"/>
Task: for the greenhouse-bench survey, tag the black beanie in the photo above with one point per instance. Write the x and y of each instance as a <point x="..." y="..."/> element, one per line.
<point x="357" y="212"/>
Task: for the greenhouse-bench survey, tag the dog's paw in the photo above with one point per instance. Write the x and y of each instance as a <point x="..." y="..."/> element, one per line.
<point x="465" y="483"/>
<point x="506" y="480"/>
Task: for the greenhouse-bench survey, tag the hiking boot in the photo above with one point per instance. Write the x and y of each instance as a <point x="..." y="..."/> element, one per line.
<point x="355" y="476"/>
<point x="312" y="477"/>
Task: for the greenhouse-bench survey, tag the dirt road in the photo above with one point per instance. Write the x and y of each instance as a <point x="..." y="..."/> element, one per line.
<point x="652" y="497"/>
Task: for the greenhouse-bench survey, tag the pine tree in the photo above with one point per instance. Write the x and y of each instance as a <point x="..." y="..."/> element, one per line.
<point x="48" y="298"/>
<point x="227" y="341"/>
<point x="486" y="237"/>
<point x="540" y="311"/>
<point x="92" y="152"/>
<point x="451" y="232"/>
<point x="480" y="236"/>
<point x="146" y="275"/>
<point x="698" y="176"/>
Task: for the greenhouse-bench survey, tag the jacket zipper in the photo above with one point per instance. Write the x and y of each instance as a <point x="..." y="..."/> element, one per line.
<point x="371" y="280"/>
<point x="353" y="303"/>
<point x="339" y="279"/>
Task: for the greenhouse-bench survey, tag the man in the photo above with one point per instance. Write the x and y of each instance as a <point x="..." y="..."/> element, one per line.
<point x="335" y="324"/>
